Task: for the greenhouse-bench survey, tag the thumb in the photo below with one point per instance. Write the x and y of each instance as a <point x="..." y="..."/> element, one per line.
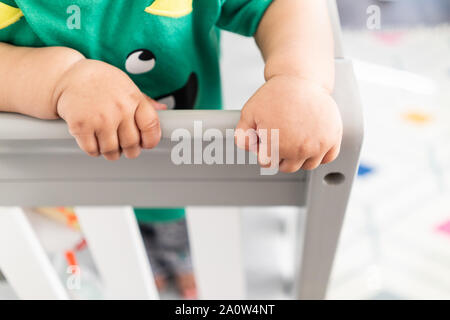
<point x="245" y="134"/>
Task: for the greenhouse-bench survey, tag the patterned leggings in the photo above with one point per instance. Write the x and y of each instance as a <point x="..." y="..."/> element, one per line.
<point x="167" y="247"/>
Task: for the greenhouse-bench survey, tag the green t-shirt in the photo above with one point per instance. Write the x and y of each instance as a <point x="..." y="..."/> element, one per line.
<point x="169" y="48"/>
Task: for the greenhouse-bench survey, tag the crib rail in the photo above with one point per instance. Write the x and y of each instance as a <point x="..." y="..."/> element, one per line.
<point x="12" y="125"/>
<point x="38" y="158"/>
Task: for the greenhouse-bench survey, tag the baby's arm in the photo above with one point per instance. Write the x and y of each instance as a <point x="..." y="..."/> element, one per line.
<point x="29" y="77"/>
<point x="295" y="38"/>
<point x="103" y="108"/>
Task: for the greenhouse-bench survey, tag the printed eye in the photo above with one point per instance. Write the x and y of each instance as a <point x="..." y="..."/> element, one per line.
<point x="140" y="61"/>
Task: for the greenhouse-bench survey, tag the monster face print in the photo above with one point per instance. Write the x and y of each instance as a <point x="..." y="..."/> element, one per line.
<point x="151" y="40"/>
<point x="142" y="61"/>
<point x="169" y="48"/>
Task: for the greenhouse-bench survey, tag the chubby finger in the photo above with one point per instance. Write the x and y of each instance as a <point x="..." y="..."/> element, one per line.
<point x="312" y="163"/>
<point x="269" y="152"/>
<point x="290" y="166"/>
<point x="129" y="139"/>
<point x="88" y="143"/>
<point x="148" y="124"/>
<point x="264" y="163"/>
<point x="245" y="135"/>
<point x="332" y="154"/>
<point x="108" y="142"/>
<point x="265" y="149"/>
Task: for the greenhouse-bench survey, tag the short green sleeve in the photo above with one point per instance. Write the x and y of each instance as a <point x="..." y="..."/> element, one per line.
<point x="242" y="16"/>
<point x="14" y="28"/>
<point x="159" y="214"/>
<point x="10" y="2"/>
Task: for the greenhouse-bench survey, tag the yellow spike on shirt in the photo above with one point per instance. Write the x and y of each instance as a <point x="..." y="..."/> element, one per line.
<point x="9" y="15"/>
<point x="170" y="8"/>
<point x="418" y="117"/>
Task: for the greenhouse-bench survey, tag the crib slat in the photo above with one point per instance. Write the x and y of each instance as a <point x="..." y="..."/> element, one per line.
<point x="23" y="260"/>
<point x="113" y="237"/>
<point x="332" y="182"/>
<point x="215" y="239"/>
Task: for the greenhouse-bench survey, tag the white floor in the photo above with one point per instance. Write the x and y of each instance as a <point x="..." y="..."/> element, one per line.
<point x="395" y="242"/>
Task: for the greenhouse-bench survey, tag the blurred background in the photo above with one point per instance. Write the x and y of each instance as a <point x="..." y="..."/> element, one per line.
<point x="396" y="238"/>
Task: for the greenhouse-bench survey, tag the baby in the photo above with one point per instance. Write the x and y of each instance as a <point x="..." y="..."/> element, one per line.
<point x="106" y="66"/>
<point x="103" y="65"/>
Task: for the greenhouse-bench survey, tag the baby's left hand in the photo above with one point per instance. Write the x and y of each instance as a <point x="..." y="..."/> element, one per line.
<point x="308" y="119"/>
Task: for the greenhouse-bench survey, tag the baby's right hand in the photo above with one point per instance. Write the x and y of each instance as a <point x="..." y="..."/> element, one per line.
<point x="106" y="112"/>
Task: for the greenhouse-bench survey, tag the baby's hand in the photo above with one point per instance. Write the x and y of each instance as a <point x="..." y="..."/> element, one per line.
<point x="106" y="112"/>
<point x="308" y="119"/>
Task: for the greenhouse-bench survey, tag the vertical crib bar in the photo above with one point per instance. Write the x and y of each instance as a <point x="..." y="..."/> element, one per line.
<point x="323" y="226"/>
<point x="215" y="238"/>
<point x="114" y="239"/>
<point x="329" y="191"/>
<point x="23" y="260"/>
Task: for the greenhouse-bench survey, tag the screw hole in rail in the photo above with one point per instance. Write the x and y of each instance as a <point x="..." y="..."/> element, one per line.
<point x="334" y="178"/>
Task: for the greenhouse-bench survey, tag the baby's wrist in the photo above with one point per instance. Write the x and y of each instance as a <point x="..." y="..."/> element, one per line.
<point x="69" y="59"/>
<point x="287" y="65"/>
<point x="303" y="82"/>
